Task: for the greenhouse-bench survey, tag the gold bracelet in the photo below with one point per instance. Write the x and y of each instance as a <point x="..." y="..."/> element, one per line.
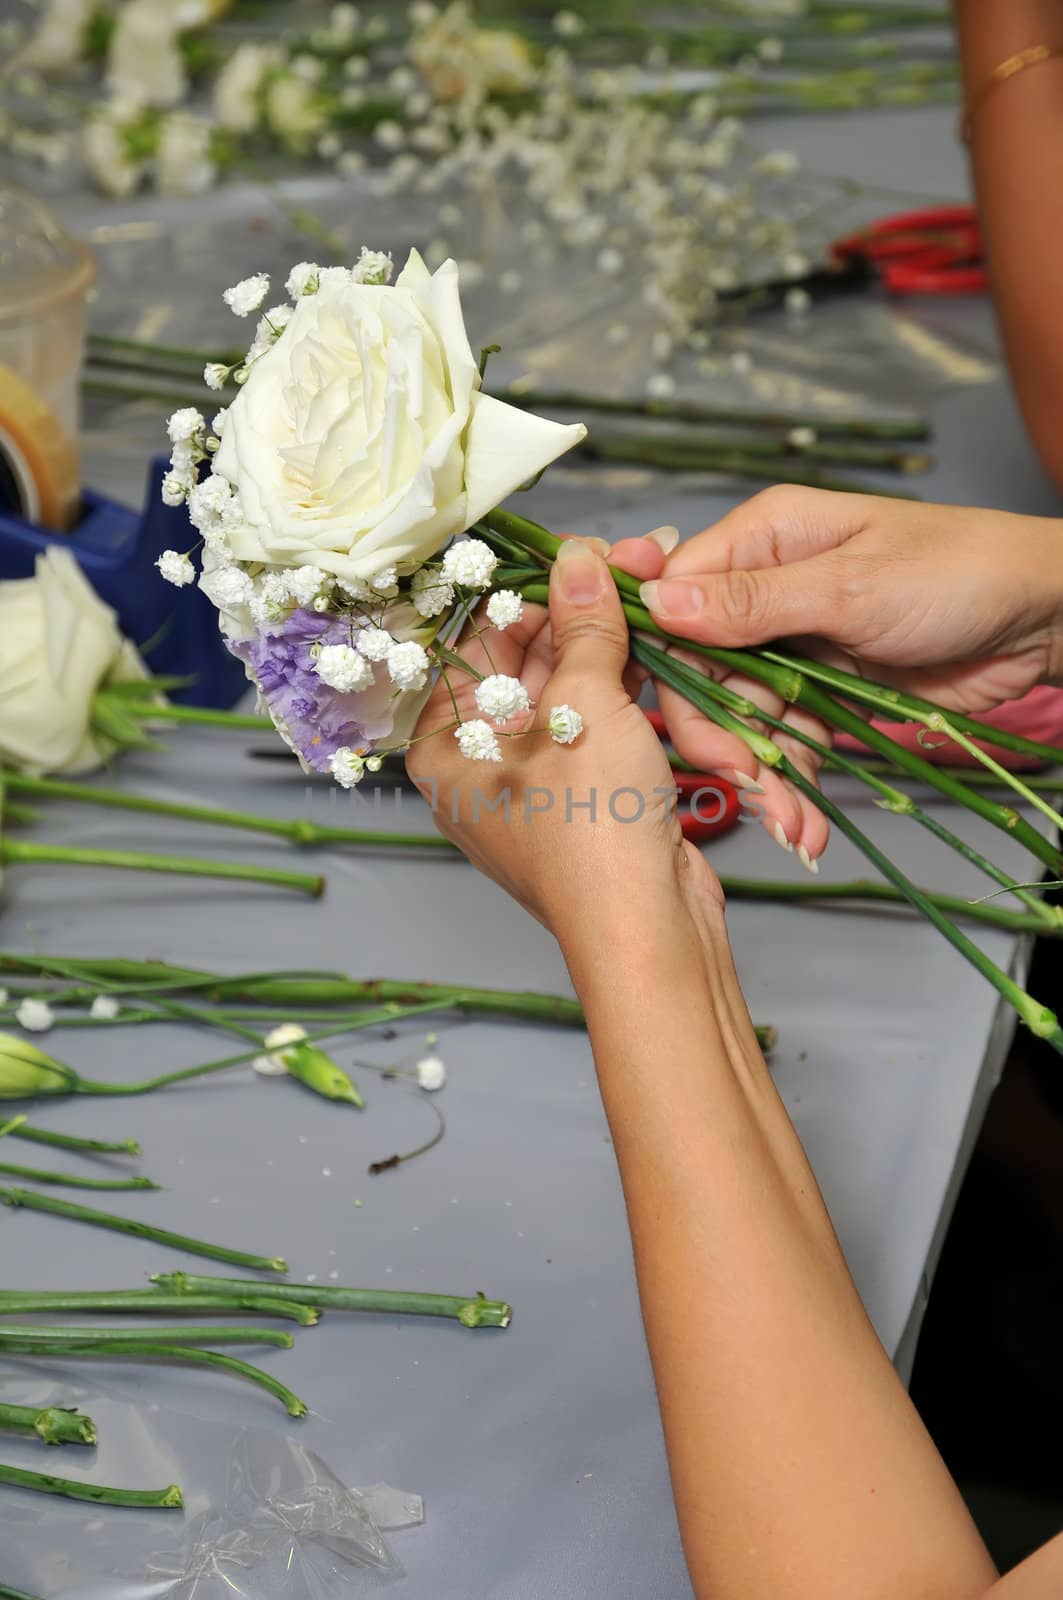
<point x="1032" y="56"/>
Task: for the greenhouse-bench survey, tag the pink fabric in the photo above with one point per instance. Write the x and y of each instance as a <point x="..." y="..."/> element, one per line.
<point x="1038" y="715"/>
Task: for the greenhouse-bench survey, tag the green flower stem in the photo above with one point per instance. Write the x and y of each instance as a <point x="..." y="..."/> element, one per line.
<point x="129" y="387"/>
<point x="975" y="777"/>
<point x="689" y="451"/>
<point x="12" y="1338"/>
<point x="865" y="890"/>
<point x="16" y="1302"/>
<point x="1038" y="1018"/>
<point x="7" y="1593"/>
<point x="473" y="1311"/>
<point x="52" y="1424"/>
<point x="70" y="1180"/>
<point x="30" y="1201"/>
<point x="300" y="833"/>
<point x="172" y="1352"/>
<point x="939" y="723"/>
<point x="669" y="457"/>
<point x="15" y="852"/>
<point x="198" y="716"/>
<point x="69" y="1141"/>
<point x="168" y="1499"/>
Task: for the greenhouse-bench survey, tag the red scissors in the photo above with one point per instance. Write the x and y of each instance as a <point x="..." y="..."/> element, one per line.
<point x="713" y="805"/>
<point x="936" y="250"/>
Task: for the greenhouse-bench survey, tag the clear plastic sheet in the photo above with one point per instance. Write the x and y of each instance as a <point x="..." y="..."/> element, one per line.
<point x="264" y="1517"/>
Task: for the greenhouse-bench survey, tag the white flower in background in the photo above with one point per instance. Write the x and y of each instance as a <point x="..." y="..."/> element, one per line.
<point x="798" y="302"/>
<point x="143" y="59"/>
<point x="373" y="643"/>
<point x="504" y="608"/>
<point x="380" y="476"/>
<point x="104" y="1008"/>
<point x="176" y="568"/>
<point x="430" y="594"/>
<point x="568" y="24"/>
<point x="237" y="93"/>
<point x="106" y="152"/>
<point x="477" y="741"/>
<point x="3" y="997"/>
<point x="59" y="643"/>
<point x="247" y="295"/>
<point x="457" y="59"/>
<point x="564" y="725"/>
<point x="183" y="163"/>
<point x="36" y="1016"/>
<point x="294" y="110"/>
<point x="303" y="279"/>
<point x="431" y="1073"/>
<point x="801" y="438"/>
<point x="408" y="665"/>
<point x="274" y="1065"/>
<point x="343" y="668"/>
<point x="500" y="697"/>
<point x="58" y="39"/>
<point x="469" y="564"/>
<point x="347" y="767"/>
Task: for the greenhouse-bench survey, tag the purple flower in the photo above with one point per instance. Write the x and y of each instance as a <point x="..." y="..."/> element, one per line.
<point x="315" y="719"/>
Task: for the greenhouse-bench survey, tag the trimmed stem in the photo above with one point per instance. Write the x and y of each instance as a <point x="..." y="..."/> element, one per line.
<point x="70" y="1141"/>
<point x="300" y="832"/>
<point x="669" y="457"/>
<point x="51" y="1424"/>
<point x="198" y="716"/>
<point x="168" y="1499"/>
<point x="14" y="852"/>
<point x="472" y="1311"/>
<point x="11" y="1338"/>
<point x="916" y="429"/>
<point x="176" y="1352"/>
<point x="975" y="777"/>
<point x="30" y="1201"/>
<point x="70" y="1180"/>
<point x="865" y="890"/>
<point x="15" y="1302"/>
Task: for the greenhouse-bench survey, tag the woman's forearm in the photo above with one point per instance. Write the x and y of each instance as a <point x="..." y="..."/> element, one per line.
<point x="800" y="1467"/>
<point x="1016" y="137"/>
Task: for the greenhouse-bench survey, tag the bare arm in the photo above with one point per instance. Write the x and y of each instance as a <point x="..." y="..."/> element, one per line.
<point x="1016" y="144"/>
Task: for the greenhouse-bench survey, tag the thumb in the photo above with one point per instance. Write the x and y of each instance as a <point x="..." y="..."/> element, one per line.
<point x="586" y="618"/>
<point x="738" y="608"/>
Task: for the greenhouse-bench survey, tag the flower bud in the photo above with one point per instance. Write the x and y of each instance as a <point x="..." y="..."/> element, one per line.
<point x="26" y="1071"/>
<point x="320" y="1073"/>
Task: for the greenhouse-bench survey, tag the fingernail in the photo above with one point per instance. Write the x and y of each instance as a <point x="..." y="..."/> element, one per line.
<point x="741" y="780"/>
<point x="807" y="861"/>
<point x="780" y="838"/>
<point x="602" y="546"/>
<point x="580" y="572"/>
<point x="672" y="597"/>
<point x="667" y="537"/>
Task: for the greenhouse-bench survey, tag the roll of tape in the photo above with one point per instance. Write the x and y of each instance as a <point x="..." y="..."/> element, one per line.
<point x="38" y="461"/>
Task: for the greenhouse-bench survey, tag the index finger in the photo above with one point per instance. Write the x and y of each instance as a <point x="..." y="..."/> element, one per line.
<point x="783" y="524"/>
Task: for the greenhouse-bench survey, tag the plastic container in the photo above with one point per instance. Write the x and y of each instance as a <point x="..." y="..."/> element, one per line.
<point x="44" y="278"/>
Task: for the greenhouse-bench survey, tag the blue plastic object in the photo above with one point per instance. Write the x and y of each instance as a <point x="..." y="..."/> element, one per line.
<point x="176" y="629"/>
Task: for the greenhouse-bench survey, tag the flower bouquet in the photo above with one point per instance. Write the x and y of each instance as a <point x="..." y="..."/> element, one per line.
<point x="360" y="443"/>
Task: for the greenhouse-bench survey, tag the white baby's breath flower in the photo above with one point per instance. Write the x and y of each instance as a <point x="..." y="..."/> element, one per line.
<point x="355" y="589"/>
<point x="801" y="438"/>
<point x="373" y="643"/>
<point x="303" y="584"/>
<point x="183" y="162"/>
<point x="430" y="594"/>
<point x="333" y="277"/>
<point x="185" y="424"/>
<point x="477" y="741"/>
<point x="431" y="1073"/>
<point x="505" y="607"/>
<point x="215" y="374"/>
<point x="373" y="266"/>
<point x="247" y="295"/>
<point x="210" y="502"/>
<point x="227" y="587"/>
<point x="343" y="668"/>
<point x="217" y="422"/>
<point x="568" y="24"/>
<point x="500" y="697"/>
<point x="610" y="261"/>
<point x="564" y="725"/>
<point x="3" y="997"/>
<point x="469" y="564"/>
<point x="176" y="568"/>
<point x="237" y="88"/>
<point x="389" y="134"/>
<point x="303" y="279"/>
<point x="270" y="600"/>
<point x="408" y="665"/>
<point x="347" y="767"/>
<point x="36" y="1016"/>
<point x="384" y="581"/>
<point x="104" y="1008"/>
<point x="661" y="386"/>
<point x="274" y="1065"/>
<point x="175" y="488"/>
<point x="741" y="362"/>
<point x="798" y="302"/>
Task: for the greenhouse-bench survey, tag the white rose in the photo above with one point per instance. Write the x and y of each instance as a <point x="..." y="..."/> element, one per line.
<point x="362" y="439"/>
<point x="59" y="643"/>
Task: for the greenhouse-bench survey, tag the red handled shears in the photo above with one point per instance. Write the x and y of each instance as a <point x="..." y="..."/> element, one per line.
<point x="708" y="805"/>
<point x="936" y="250"/>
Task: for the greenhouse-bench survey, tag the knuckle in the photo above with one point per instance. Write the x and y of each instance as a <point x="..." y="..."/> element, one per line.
<point x="608" y="630"/>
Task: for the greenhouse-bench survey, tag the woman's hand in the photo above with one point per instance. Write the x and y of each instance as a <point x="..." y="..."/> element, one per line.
<point x="571" y="831"/>
<point x="964" y="607"/>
